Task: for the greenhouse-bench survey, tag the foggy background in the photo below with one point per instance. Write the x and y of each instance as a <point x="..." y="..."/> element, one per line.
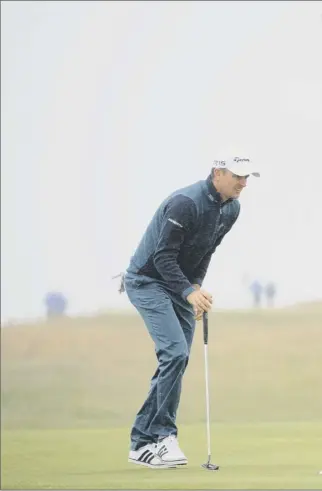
<point x="107" y="107"/>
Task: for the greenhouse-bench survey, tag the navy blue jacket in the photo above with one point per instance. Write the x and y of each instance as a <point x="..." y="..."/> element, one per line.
<point x="177" y="245"/>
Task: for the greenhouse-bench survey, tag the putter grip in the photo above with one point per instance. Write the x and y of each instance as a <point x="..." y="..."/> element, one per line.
<point x="205" y="327"/>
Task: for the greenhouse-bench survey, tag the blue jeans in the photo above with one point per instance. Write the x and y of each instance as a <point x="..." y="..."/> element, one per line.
<point x="170" y="322"/>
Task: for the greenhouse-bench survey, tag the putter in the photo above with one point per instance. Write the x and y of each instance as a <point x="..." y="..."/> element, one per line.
<point x="208" y="465"/>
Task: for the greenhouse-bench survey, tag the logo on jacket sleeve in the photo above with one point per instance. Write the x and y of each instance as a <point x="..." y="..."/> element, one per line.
<point x="175" y="223"/>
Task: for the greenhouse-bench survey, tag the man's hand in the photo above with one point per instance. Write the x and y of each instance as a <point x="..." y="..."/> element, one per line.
<point x="201" y="302"/>
<point x="198" y="313"/>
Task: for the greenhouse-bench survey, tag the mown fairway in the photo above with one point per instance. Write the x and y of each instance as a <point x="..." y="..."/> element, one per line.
<point x="70" y="390"/>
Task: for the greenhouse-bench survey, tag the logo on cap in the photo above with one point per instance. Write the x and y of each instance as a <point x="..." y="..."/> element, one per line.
<point x="237" y="159"/>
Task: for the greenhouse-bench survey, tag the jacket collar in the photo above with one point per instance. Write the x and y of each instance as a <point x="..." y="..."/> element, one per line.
<point x="212" y="192"/>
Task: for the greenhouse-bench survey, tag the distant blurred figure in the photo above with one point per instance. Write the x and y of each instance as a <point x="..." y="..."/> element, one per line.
<point x="270" y="292"/>
<point x="56" y="304"/>
<point x="257" y="291"/>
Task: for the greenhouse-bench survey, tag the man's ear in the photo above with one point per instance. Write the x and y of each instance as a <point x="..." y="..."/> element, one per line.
<point x="218" y="172"/>
<point x="215" y="172"/>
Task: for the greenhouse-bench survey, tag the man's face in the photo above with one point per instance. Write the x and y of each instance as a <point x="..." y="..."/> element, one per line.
<point x="228" y="184"/>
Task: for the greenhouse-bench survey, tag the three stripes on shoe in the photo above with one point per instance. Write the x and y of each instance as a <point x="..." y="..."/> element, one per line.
<point x="148" y="456"/>
<point x="162" y="451"/>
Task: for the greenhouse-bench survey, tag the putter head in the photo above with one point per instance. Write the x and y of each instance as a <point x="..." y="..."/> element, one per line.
<point x="210" y="467"/>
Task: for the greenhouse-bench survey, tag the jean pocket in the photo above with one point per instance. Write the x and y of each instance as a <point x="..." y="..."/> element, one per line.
<point x="132" y="282"/>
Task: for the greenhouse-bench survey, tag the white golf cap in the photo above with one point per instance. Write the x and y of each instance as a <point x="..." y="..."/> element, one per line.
<point x="238" y="165"/>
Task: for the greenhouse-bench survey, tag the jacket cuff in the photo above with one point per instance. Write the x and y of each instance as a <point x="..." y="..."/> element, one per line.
<point x="197" y="281"/>
<point x="187" y="292"/>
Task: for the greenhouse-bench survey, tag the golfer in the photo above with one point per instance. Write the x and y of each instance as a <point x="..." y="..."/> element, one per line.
<point x="164" y="283"/>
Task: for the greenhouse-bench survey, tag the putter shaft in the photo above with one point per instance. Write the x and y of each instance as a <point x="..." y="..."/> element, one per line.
<point x="207" y="402"/>
<point x="208" y="465"/>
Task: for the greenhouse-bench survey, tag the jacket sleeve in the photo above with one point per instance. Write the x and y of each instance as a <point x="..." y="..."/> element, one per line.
<point x="179" y="217"/>
<point x="202" y="268"/>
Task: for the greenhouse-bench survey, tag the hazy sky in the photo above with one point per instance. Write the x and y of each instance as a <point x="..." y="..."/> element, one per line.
<point x="107" y="107"/>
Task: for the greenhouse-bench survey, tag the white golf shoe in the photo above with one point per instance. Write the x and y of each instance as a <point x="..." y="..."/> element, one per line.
<point x="169" y="452"/>
<point x="147" y="456"/>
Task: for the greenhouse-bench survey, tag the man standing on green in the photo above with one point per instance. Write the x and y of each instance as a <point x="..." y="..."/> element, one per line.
<point x="164" y="283"/>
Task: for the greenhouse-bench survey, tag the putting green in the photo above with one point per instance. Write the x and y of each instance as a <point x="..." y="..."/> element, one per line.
<point x="251" y="456"/>
<point x="71" y="388"/>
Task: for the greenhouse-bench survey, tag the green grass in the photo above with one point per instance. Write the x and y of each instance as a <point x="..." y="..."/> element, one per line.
<point x="254" y="456"/>
<point x="71" y="388"/>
